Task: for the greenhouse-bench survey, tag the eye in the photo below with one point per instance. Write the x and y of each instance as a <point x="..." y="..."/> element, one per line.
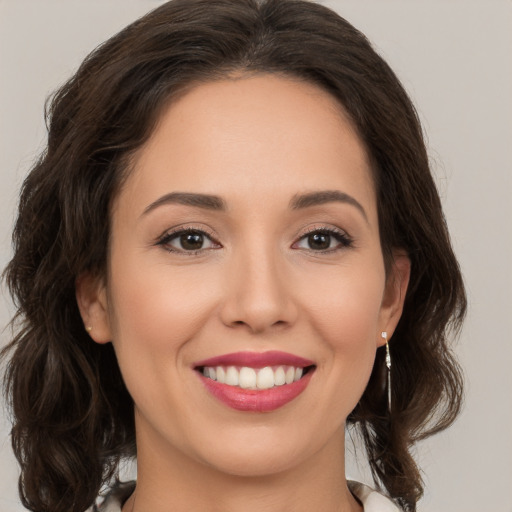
<point x="324" y="240"/>
<point x="189" y="240"/>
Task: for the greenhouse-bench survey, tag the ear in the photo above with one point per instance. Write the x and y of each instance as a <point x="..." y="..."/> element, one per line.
<point x="91" y="297"/>
<point x="394" y="294"/>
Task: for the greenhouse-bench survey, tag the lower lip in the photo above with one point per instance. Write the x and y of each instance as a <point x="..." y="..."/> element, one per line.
<point x="264" y="400"/>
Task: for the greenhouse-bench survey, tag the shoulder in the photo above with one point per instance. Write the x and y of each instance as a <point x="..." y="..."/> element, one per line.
<point x="371" y="500"/>
<point x="115" y="498"/>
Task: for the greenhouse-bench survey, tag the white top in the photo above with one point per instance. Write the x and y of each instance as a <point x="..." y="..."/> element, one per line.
<point x="371" y="500"/>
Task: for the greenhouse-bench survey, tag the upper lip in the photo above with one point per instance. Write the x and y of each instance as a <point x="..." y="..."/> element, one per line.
<point x="256" y="360"/>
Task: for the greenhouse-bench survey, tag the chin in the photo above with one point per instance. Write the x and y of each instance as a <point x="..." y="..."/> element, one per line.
<point x="260" y="451"/>
<point x="253" y="463"/>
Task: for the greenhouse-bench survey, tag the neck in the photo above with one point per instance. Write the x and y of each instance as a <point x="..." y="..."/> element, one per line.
<point x="170" y="480"/>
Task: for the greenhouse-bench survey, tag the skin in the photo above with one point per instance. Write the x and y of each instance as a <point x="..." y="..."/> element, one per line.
<point x="260" y="284"/>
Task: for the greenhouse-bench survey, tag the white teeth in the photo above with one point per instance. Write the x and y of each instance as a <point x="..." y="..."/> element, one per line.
<point x="221" y="375"/>
<point x="247" y="378"/>
<point x="250" y="378"/>
<point x="232" y="376"/>
<point x="265" y="378"/>
<point x="209" y="372"/>
<point x="279" y="377"/>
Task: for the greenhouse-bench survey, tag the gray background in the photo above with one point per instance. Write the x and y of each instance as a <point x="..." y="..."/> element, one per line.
<point x="454" y="58"/>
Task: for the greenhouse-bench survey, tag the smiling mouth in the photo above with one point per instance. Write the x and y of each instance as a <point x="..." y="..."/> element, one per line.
<point x="255" y="382"/>
<point x="246" y="377"/>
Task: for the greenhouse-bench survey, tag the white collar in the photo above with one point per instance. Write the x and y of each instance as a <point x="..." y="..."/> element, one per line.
<point x="371" y="500"/>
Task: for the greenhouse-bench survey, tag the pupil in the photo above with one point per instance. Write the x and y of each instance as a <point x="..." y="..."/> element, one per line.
<point x="192" y="241"/>
<point x="319" y="241"/>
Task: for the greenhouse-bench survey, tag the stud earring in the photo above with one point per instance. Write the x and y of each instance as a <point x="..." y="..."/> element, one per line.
<point x="384" y="335"/>
<point x="88" y="328"/>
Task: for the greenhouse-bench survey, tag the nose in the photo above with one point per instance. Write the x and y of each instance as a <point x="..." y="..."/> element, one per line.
<point x="258" y="296"/>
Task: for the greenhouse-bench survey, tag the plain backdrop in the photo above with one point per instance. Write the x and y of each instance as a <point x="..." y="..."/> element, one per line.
<point x="454" y="57"/>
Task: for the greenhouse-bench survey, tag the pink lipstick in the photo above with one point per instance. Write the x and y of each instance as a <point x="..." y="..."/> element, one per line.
<point x="252" y="381"/>
<point x="256" y="360"/>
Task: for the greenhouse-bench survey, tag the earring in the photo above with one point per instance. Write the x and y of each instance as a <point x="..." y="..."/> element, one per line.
<point x="88" y="328"/>
<point x="384" y="335"/>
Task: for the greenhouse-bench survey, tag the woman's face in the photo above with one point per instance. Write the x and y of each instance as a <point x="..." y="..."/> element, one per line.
<point x="246" y="237"/>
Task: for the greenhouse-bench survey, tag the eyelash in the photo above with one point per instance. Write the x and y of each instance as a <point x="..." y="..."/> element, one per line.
<point x="343" y="238"/>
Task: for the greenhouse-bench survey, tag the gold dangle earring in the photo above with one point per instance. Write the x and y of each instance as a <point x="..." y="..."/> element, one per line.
<point x="384" y="335"/>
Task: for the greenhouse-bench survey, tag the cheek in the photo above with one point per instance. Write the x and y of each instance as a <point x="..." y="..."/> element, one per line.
<point x="345" y="305"/>
<point x="156" y="313"/>
<point x="345" y="313"/>
<point x="157" y="308"/>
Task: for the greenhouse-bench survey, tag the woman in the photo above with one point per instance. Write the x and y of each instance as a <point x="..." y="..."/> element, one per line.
<point x="231" y="250"/>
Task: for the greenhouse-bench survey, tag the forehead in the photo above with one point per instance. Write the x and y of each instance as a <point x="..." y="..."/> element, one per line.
<point x="252" y="135"/>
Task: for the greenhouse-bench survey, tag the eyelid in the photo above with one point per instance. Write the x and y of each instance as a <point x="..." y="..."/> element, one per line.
<point x="187" y="227"/>
<point x="341" y="235"/>
<point x="323" y="227"/>
<point x="169" y="234"/>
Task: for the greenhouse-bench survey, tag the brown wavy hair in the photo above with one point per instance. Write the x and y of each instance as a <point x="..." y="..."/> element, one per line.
<point x="72" y="415"/>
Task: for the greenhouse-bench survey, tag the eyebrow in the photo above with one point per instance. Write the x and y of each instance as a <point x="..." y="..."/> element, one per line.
<point x="206" y="201"/>
<point x="216" y="203"/>
<point x="300" y="201"/>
